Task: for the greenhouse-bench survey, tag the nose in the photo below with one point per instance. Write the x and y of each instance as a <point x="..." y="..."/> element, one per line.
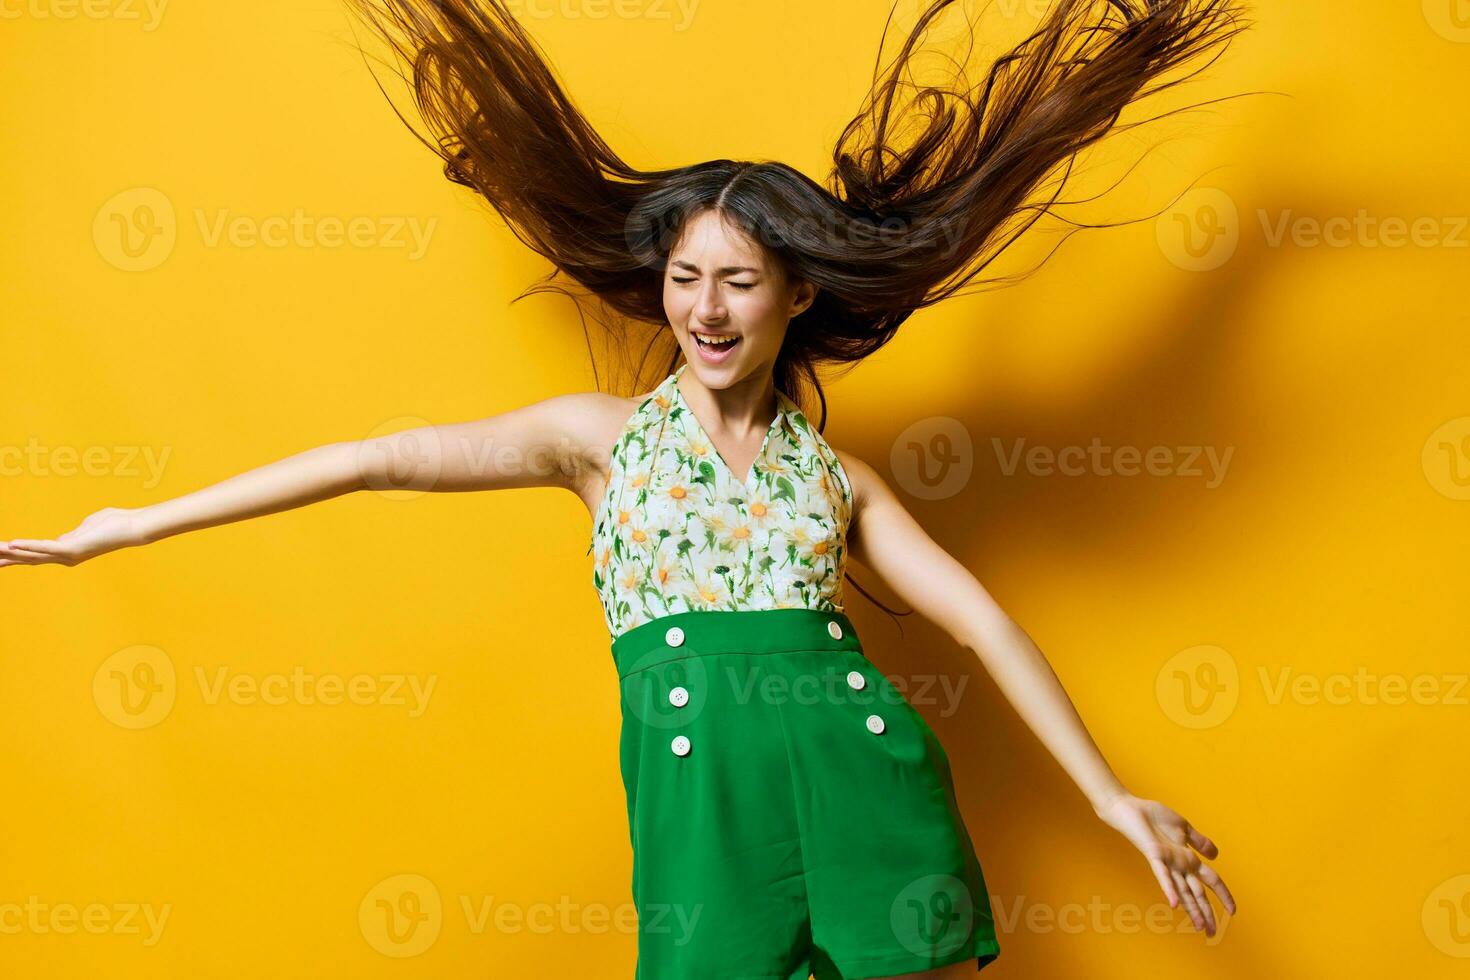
<point x="708" y="308"/>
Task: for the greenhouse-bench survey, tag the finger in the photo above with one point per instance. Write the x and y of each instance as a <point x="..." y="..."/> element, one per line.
<point x="1165" y="882"/>
<point x="42" y="551"/>
<point x="22" y="546"/>
<point x="1212" y="878"/>
<point x="1188" y="897"/>
<point x="23" y="557"/>
<point x="1198" y="889"/>
<point x="29" y="544"/>
<point x="1200" y="842"/>
<point x="28" y="560"/>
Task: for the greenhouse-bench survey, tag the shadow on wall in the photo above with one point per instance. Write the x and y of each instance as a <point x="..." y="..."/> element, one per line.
<point x="1184" y="384"/>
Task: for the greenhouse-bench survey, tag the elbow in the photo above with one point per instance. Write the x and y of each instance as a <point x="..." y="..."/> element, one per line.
<point x="978" y="622"/>
<point x="357" y="465"/>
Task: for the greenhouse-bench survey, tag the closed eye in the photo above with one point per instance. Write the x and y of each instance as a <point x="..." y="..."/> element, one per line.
<point x="737" y="285"/>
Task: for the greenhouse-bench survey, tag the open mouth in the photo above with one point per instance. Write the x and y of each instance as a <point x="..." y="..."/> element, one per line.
<point x="716" y="346"/>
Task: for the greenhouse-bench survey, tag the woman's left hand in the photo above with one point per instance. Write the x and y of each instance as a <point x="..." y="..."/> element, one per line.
<point x="1169" y="843"/>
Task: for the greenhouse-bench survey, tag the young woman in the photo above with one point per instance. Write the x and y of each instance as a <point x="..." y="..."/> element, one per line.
<point x="789" y="812"/>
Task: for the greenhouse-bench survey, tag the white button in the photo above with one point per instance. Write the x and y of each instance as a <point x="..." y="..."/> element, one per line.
<point x="875" y="724"/>
<point x="856" y="681"/>
<point x="678" y="697"/>
<point x="680" y="745"/>
<point x="674" y="636"/>
<point x="835" y="629"/>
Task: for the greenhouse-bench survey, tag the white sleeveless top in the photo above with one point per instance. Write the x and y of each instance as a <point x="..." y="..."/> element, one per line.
<point x="677" y="531"/>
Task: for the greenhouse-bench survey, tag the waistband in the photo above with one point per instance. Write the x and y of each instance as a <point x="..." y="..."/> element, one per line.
<point x="677" y="636"/>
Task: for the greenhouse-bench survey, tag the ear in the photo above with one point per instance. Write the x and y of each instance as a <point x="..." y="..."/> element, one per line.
<point x="803" y="296"/>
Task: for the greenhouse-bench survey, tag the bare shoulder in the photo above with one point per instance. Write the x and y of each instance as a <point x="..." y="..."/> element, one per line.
<point x="589" y="416"/>
<point x="858" y="471"/>
<point x="870" y="492"/>
<point x="594" y="419"/>
<point x="862" y="478"/>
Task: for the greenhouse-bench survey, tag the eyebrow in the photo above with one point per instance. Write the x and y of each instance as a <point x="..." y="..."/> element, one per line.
<point x="723" y="270"/>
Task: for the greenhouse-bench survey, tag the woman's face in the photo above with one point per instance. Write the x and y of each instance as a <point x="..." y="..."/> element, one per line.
<point x="720" y="287"/>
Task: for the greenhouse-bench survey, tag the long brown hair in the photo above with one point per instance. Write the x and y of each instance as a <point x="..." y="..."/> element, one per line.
<point x="926" y="189"/>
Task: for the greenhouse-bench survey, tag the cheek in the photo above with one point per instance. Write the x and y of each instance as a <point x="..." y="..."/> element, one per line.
<point x="763" y="313"/>
<point x="766" y="326"/>
<point x="675" y="299"/>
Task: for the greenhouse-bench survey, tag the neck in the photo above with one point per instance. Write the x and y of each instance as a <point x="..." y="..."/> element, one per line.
<point x="749" y="404"/>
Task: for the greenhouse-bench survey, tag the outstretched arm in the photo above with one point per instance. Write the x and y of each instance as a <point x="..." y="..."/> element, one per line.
<point x="540" y="444"/>
<point x="887" y="539"/>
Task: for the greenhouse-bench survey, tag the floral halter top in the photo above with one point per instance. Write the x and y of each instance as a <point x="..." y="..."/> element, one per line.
<point x="678" y="531"/>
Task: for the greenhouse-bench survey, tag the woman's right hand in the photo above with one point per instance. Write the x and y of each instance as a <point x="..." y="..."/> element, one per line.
<point x="107" y="530"/>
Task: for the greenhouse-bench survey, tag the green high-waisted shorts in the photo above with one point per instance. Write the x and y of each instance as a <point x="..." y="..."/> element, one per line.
<point x="791" y="814"/>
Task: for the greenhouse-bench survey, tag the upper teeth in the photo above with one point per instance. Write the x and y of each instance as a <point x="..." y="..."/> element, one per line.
<point x="710" y="338"/>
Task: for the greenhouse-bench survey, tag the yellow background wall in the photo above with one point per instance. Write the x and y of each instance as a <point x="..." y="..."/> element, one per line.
<point x="1278" y="653"/>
